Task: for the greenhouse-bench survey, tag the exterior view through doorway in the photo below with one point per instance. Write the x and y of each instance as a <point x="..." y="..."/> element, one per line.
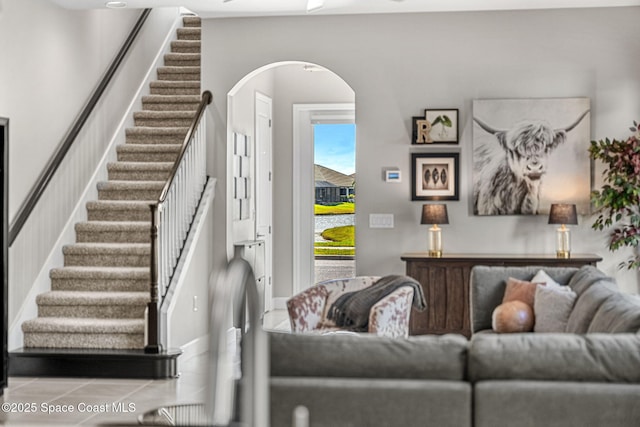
<point x="335" y="200"/>
<point x="306" y="118"/>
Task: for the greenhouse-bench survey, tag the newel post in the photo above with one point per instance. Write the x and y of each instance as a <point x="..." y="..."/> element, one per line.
<point x="153" y="346"/>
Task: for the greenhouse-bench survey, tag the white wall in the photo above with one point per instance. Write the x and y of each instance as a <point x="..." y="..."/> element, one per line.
<point x="56" y="58"/>
<point x="398" y="65"/>
<point x="52" y="59"/>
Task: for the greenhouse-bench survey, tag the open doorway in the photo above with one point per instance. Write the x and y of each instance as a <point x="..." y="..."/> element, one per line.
<point x="314" y="95"/>
<point x="335" y="203"/>
<point x="306" y="118"/>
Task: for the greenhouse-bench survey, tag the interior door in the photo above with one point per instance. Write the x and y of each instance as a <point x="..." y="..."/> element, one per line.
<point x="264" y="189"/>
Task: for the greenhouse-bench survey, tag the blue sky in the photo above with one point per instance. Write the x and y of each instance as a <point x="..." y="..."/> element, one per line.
<point x="335" y="147"/>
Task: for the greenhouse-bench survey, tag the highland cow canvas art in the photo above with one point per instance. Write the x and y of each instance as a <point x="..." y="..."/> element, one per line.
<point x="529" y="153"/>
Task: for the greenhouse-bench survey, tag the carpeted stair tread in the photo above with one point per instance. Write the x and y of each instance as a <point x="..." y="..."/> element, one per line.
<point x="170" y="102"/>
<point x="119" y="210"/>
<point x="173" y="87"/>
<point x="182" y="73"/>
<point x="105" y="248"/>
<point x="161" y="119"/>
<point x="139" y="171"/>
<point x="74" y="325"/>
<point x="113" y="232"/>
<point x="148" y="152"/>
<point x="157" y="131"/>
<point x="171" y="98"/>
<point x="191" y="21"/>
<point x="92" y="298"/>
<point x="186" y="46"/>
<point x="131" y="185"/>
<point x="189" y="69"/>
<point x="91" y="272"/>
<point x="130" y="190"/>
<point x="92" y="304"/>
<point x="107" y="254"/>
<point x="177" y="59"/>
<point x="189" y="33"/>
<point x="92" y="278"/>
<point x="156" y="135"/>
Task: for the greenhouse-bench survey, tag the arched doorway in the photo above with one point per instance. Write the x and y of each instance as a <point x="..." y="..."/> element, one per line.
<point x="286" y="84"/>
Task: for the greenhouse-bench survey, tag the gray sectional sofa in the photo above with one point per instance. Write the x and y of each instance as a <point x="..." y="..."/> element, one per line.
<point x="586" y="376"/>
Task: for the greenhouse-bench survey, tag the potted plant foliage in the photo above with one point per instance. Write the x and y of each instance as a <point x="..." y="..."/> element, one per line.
<point x="618" y="201"/>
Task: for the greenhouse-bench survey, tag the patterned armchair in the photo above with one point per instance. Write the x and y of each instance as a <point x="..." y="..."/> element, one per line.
<point x="388" y="317"/>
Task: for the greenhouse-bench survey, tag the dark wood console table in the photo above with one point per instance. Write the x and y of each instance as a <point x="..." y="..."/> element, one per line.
<point x="445" y="282"/>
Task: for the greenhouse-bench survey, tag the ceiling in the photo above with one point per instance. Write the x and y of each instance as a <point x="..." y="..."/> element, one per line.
<point x="237" y="8"/>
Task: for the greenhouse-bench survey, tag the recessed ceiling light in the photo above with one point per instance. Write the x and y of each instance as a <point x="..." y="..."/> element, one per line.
<point x="116" y="4"/>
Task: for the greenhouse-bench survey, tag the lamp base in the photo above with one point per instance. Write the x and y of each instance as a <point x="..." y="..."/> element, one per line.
<point x="563" y="254"/>
<point x="435" y="254"/>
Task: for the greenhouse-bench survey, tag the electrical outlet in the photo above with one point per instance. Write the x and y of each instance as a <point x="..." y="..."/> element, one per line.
<point x="380" y="220"/>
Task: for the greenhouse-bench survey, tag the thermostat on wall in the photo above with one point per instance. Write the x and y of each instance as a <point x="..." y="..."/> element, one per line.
<point x="392" y="175"/>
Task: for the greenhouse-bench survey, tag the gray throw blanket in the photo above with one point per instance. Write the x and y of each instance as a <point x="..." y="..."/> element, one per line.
<point x="351" y="310"/>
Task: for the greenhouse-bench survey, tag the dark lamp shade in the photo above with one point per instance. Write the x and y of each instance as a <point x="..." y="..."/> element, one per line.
<point x="434" y="214"/>
<point x="562" y="213"/>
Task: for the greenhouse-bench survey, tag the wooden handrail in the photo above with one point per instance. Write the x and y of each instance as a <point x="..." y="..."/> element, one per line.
<point x="58" y="156"/>
<point x="206" y="99"/>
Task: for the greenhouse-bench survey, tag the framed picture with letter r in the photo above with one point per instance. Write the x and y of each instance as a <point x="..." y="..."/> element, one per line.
<point x="435" y="176"/>
<point x="435" y="127"/>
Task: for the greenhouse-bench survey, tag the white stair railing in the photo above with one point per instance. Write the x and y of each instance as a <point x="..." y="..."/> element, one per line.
<point x="172" y="215"/>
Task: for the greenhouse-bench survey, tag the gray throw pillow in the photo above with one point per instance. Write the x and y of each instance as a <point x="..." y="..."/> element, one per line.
<point x="552" y="307"/>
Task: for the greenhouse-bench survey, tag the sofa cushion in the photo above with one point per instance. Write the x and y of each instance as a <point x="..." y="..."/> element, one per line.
<point x="368" y="356"/>
<point x="555" y="357"/>
<point x="618" y="313"/>
<point x="552" y="308"/>
<point x="588" y="275"/>
<point x="587" y="305"/>
<point x="365" y="402"/>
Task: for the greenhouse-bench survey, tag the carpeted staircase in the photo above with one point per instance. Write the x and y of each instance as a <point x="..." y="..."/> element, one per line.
<point x="98" y="298"/>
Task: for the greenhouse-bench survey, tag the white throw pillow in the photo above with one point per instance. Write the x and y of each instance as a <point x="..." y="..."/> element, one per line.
<point x="552" y="307"/>
<point x="542" y="277"/>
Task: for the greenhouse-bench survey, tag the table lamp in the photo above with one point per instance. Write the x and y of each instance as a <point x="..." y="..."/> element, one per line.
<point x="435" y="214"/>
<point x="562" y="213"/>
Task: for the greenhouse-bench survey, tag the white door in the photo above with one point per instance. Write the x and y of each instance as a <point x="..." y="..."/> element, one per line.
<point x="264" y="190"/>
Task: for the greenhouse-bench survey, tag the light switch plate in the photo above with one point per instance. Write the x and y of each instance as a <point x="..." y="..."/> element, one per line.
<point x="380" y="220"/>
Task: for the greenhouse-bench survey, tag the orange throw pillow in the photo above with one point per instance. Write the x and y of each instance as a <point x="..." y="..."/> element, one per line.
<point x="512" y="316"/>
<point x="520" y="290"/>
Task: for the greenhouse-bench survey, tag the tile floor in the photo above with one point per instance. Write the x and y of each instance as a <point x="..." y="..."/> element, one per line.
<point x="106" y="402"/>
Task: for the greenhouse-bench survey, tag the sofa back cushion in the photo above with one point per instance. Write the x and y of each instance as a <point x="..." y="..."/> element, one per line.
<point x="588" y="303"/>
<point x="555" y="357"/>
<point x="588" y="275"/>
<point x="442" y="357"/>
<point x="618" y="313"/>
<point x="487" y="286"/>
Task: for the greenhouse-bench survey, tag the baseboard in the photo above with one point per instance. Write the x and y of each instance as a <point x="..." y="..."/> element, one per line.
<point x="93" y="363"/>
<point x="194" y="348"/>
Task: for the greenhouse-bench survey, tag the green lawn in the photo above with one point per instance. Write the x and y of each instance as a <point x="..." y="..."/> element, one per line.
<point x="342" y="208"/>
<point x="341" y="241"/>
